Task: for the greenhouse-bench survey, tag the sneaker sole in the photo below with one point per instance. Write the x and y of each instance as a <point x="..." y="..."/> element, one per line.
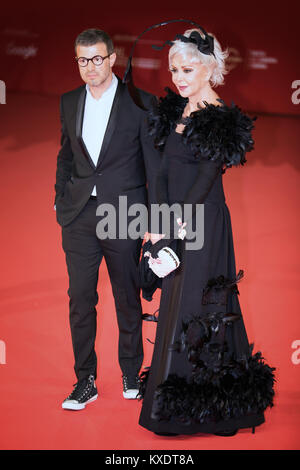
<point x="131" y="394"/>
<point x="77" y="406"/>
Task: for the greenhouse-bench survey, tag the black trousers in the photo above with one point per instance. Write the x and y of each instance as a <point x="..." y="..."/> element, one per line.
<point x="84" y="252"/>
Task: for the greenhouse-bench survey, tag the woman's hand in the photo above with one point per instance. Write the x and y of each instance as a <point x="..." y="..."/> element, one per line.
<point x="154" y="237"/>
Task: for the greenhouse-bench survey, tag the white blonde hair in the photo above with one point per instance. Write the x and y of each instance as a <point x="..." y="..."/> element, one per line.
<point x="191" y="49"/>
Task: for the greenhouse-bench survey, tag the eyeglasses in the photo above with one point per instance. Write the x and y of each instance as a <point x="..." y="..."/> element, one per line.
<point x="97" y="60"/>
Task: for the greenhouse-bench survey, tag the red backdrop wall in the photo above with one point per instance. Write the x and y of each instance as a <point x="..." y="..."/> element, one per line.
<point x="37" y="53"/>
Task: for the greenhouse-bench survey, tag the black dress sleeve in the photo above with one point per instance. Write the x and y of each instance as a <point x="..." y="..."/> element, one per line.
<point x="161" y="194"/>
<point x="162" y="183"/>
<point x="208" y="171"/>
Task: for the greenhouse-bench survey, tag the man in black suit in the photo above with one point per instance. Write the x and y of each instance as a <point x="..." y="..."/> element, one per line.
<point x="105" y="152"/>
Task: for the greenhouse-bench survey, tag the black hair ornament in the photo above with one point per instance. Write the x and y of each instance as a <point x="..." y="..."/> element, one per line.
<point x="204" y="45"/>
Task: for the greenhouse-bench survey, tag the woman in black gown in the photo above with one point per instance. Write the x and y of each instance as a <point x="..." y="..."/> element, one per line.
<point x="204" y="376"/>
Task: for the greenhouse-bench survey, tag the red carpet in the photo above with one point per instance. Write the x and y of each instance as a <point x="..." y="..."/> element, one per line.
<point x="36" y="372"/>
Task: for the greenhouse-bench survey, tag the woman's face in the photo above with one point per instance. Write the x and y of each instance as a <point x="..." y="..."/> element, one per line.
<point x="189" y="77"/>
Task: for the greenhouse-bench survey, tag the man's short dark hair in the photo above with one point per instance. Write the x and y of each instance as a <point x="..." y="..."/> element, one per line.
<point x="92" y="36"/>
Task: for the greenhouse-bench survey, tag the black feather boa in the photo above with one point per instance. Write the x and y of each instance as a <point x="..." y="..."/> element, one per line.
<point x="220" y="133"/>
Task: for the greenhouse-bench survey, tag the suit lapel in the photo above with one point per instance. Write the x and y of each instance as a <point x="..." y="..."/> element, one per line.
<point x="79" y="123"/>
<point x="110" y="128"/>
<point x="112" y="122"/>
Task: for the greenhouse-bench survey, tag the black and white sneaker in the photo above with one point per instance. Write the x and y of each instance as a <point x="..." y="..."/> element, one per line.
<point x="85" y="391"/>
<point x="130" y="387"/>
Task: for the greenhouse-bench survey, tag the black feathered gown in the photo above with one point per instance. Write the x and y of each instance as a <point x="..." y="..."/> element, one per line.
<point x="203" y="376"/>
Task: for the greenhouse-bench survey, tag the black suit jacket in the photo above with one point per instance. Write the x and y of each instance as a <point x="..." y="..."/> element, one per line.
<point x="127" y="160"/>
